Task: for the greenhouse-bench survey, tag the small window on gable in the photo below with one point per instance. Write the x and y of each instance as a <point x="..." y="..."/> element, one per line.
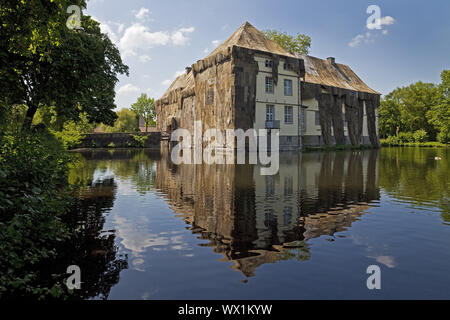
<point x="268" y="63"/>
<point x="287" y="66"/>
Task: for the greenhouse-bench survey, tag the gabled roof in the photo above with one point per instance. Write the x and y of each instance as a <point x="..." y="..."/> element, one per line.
<point x="318" y="71"/>
<point x="247" y="36"/>
<point x="324" y="72"/>
<point x="182" y="82"/>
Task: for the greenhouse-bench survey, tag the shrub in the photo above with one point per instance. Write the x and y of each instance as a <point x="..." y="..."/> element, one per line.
<point x="404" y="137"/>
<point x="140" y="140"/>
<point x="444" y="136"/>
<point x="420" y="136"/>
<point x="390" y="141"/>
<point x="34" y="193"/>
<point x="73" y="132"/>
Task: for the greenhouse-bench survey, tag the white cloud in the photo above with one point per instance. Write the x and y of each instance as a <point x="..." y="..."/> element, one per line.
<point x="145" y="58"/>
<point x="179" y="37"/>
<point x="128" y="88"/>
<point x="138" y="37"/>
<point x="104" y="28"/>
<point x="369" y="36"/>
<point x="168" y="82"/>
<point x="356" y="41"/>
<point x="379" y="23"/>
<point x="214" y="45"/>
<point x="179" y="73"/>
<point x="142" y="14"/>
<point x="126" y="95"/>
<point x="107" y="29"/>
<point x="387" y="21"/>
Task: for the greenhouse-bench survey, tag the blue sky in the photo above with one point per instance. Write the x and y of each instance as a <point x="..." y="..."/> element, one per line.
<point x="158" y="39"/>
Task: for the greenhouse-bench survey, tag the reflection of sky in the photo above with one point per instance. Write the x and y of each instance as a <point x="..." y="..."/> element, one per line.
<point x="102" y="174"/>
<point x="137" y="222"/>
<point x="166" y="261"/>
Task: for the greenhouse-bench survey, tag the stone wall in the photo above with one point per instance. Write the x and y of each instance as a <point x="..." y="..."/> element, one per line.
<point x="119" y="140"/>
<point x="331" y="100"/>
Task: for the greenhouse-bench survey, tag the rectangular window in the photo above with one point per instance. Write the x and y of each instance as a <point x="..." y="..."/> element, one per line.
<point x="270" y="185"/>
<point x="269" y="85"/>
<point x="268" y="63"/>
<point x="287" y="87"/>
<point x="317" y="120"/>
<point x="270" y="112"/>
<point x="288" y="186"/>
<point x="303" y="119"/>
<point x="288" y="115"/>
<point x="287" y="66"/>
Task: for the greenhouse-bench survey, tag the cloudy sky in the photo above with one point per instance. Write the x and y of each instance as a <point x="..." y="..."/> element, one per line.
<point x="158" y="39"/>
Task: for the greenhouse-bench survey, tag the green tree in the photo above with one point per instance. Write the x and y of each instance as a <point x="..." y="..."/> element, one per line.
<point x="439" y="114"/>
<point x="417" y="100"/>
<point x="389" y="114"/>
<point x="144" y="108"/>
<point x="295" y="44"/>
<point x="44" y="63"/>
<point x="127" y="121"/>
<point x="407" y="109"/>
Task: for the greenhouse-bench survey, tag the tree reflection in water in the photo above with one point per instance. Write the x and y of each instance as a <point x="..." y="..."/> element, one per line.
<point x="92" y="249"/>
<point x="252" y="220"/>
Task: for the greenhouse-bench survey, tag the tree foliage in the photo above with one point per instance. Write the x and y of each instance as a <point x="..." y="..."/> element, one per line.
<point x="419" y="107"/>
<point x="144" y="108"/>
<point x="44" y="63"/>
<point x="127" y="121"/>
<point x="295" y="44"/>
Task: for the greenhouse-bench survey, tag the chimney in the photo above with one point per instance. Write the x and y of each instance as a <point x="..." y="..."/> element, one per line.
<point x="188" y="69"/>
<point x="331" y="60"/>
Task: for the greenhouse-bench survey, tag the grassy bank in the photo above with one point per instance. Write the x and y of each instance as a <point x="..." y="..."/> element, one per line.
<point x="388" y="143"/>
<point x="336" y="148"/>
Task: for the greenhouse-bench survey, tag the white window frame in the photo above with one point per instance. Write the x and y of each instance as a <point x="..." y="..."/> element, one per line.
<point x="270" y="112"/>
<point x="286" y="92"/>
<point x="269" y="63"/>
<point x="269" y="85"/>
<point x="288" y="117"/>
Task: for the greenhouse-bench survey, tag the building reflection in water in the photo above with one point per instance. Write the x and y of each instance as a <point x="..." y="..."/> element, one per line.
<point x="253" y="219"/>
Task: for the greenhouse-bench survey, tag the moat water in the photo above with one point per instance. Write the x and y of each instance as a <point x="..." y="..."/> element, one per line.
<point x="225" y="232"/>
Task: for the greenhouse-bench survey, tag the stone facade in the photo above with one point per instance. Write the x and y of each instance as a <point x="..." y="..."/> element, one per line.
<point x="228" y="90"/>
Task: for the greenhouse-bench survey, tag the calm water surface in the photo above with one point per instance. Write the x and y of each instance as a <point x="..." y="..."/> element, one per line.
<point x="310" y="232"/>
